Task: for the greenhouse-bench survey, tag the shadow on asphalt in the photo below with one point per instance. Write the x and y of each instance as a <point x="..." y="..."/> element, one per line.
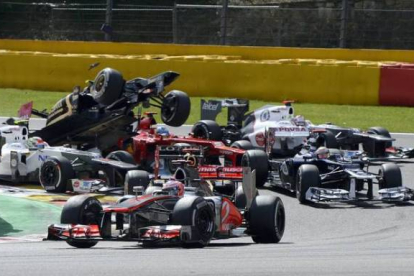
<point x="6" y="228"/>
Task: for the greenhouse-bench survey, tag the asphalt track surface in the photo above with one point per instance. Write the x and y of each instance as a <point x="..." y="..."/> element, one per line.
<point x="363" y="238"/>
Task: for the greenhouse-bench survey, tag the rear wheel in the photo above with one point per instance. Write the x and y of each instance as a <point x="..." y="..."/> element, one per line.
<point x="207" y="129"/>
<point x="242" y="144"/>
<point x="240" y="198"/>
<point x="390" y="176"/>
<point x="175" y="108"/>
<point x="197" y="213"/>
<point x="374" y="148"/>
<point x="55" y="173"/>
<point x="84" y="210"/>
<point x="257" y="160"/>
<point x="330" y="141"/>
<point x="107" y="87"/>
<point x="307" y="177"/>
<point x="136" y="178"/>
<point x="267" y="219"/>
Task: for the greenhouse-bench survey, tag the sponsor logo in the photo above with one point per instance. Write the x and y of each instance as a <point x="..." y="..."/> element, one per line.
<point x="260" y="139"/>
<point x="42" y="158"/>
<point x="210" y="106"/>
<point x="290" y="129"/>
<point x="265" y="115"/>
<point x="76" y="184"/>
<point x="222" y="169"/>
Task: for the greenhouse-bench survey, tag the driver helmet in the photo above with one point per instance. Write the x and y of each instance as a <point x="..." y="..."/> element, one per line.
<point x="36" y="142"/>
<point x="322" y="153"/>
<point x="162" y="130"/>
<point x="299" y="120"/>
<point x="173" y="187"/>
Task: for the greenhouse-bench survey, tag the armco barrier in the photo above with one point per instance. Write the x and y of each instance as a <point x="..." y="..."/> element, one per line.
<point x="397" y="85"/>
<point x="304" y="81"/>
<point x="249" y="53"/>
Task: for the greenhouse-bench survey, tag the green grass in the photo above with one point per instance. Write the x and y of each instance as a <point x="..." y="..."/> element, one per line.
<point x="396" y="119"/>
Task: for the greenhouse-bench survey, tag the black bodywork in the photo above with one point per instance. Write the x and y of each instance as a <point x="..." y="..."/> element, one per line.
<point x="85" y="120"/>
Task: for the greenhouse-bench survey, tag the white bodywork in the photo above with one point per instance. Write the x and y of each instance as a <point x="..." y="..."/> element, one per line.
<point x="19" y="158"/>
<point x="288" y="133"/>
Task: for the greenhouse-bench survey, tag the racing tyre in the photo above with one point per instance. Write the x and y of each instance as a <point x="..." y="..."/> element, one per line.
<point x="136" y="178"/>
<point x="240" y="198"/>
<point x="267" y="219"/>
<point x="55" y="173"/>
<point x="195" y="212"/>
<point x="207" y="129"/>
<point x="121" y="155"/>
<point x="257" y="160"/>
<point x="242" y="144"/>
<point x="82" y="209"/>
<point x="175" y="108"/>
<point x="307" y="176"/>
<point x="390" y="176"/>
<point x="107" y="87"/>
<point x="374" y="148"/>
<point x="330" y="141"/>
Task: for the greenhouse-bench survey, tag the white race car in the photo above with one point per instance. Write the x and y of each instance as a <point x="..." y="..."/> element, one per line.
<point x="58" y="169"/>
<point x="289" y="132"/>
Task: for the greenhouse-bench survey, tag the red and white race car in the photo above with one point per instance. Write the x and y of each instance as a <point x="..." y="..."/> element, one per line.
<point x="172" y="215"/>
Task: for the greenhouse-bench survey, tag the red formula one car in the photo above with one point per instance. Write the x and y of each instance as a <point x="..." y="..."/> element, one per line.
<point x="171" y="215"/>
<point x="217" y="158"/>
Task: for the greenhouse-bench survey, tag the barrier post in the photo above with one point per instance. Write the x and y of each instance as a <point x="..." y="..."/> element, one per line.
<point x="223" y="22"/>
<point x="344" y="23"/>
<point x="108" y="19"/>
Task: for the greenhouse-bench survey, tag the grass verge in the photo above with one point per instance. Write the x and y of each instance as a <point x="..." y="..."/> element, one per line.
<point x="395" y="119"/>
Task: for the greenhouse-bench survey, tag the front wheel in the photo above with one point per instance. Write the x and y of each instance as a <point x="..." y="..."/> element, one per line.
<point x="267" y="219"/>
<point x="175" y="108"/>
<point x="84" y="210"/>
<point x="307" y="176"/>
<point x="390" y="176"/>
<point x="55" y="173"/>
<point x="195" y="212"/>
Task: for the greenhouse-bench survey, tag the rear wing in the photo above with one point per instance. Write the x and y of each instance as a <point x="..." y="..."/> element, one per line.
<point x="236" y="110"/>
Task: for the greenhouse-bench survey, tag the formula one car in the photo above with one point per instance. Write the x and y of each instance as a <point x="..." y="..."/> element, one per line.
<point x="143" y="147"/>
<point x="172" y="215"/>
<point x="248" y="131"/>
<point x="58" y="169"/>
<point x="102" y="113"/>
<point x="331" y="175"/>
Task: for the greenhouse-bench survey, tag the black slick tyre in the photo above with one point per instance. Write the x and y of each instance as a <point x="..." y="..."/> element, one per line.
<point x="55" y="173"/>
<point x="121" y="155"/>
<point x="330" y="141"/>
<point x="267" y="219"/>
<point x="82" y="209"/>
<point x="390" y="176"/>
<point x="242" y="144"/>
<point x="136" y="178"/>
<point x="107" y="87"/>
<point x="257" y="160"/>
<point x="175" y="108"/>
<point x="195" y="212"/>
<point x="307" y="176"/>
<point x="207" y="129"/>
<point x="240" y="198"/>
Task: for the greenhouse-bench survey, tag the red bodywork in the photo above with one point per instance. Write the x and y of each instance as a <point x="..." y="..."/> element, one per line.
<point x="228" y="217"/>
<point x="143" y="147"/>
